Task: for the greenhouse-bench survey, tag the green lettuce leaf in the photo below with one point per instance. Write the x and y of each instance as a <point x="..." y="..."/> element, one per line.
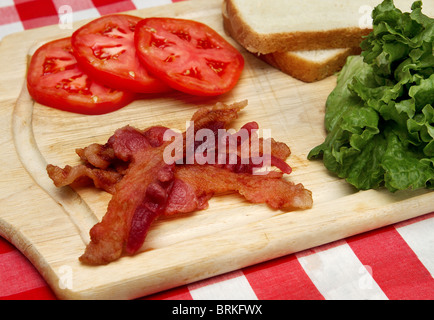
<point x="380" y="117"/>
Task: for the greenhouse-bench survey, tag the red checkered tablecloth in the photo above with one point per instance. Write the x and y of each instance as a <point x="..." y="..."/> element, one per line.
<point x="394" y="262"/>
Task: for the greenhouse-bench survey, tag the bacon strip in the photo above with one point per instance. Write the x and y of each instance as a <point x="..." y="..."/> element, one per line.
<point x="195" y="185"/>
<point x="97" y="155"/>
<point x="131" y="166"/>
<point x="125" y="222"/>
<point x="82" y="175"/>
<point x="219" y="113"/>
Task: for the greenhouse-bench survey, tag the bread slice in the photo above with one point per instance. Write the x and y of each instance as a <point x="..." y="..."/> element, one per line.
<point x="291" y="25"/>
<point x="312" y="65"/>
<point x="306" y="65"/>
<point x="307" y="39"/>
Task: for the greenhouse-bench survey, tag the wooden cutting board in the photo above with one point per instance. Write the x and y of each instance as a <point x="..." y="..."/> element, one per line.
<point x="50" y="225"/>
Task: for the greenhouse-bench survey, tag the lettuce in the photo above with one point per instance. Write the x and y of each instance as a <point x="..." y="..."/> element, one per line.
<point x="380" y="116"/>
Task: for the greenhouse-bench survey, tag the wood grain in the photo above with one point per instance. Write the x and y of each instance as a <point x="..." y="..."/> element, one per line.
<point x="50" y="225"/>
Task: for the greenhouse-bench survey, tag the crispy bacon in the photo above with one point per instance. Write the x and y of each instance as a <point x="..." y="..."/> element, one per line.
<point x="218" y="117"/>
<point x="220" y="113"/>
<point x="82" y="175"/>
<point x="138" y="199"/>
<point x="131" y="166"/>
<point x="195" y="185"/>
<point x="97" y="155"/>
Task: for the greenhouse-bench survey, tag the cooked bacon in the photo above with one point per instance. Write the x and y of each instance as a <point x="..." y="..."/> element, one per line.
<point x="138" y="199"/>
<point x="218" y="117"/>
<point x="126" y="142"/>
<point x="122" y="145"/>
<point x="219" y="113"/>
<point x="195" y="185"/>
<point x="131" y="166"/>
<point x="105" y="164"/>
<point x="99" y="156"/>
<point x="82" y="175"/>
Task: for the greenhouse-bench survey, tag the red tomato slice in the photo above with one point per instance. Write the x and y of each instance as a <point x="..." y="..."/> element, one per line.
<point x="105" y="49"/>
<point x="54" y="79"/>
<point x="188" y="55"/>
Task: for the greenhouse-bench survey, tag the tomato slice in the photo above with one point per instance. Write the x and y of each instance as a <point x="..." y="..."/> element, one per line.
<point x="105" y="49"/>
<point x="55" y="80"/>
<point x="188" y="55"/>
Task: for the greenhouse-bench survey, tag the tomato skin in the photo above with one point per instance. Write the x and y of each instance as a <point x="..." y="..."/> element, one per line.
<point x="188" y="55"/>
<point x="54" y="79"/>
<point x="105" y="49"/>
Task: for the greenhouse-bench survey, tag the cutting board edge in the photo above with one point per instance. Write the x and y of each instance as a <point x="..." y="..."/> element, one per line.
<point x="258" y="247"/>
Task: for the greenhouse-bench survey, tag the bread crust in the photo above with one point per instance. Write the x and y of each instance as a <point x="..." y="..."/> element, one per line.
<point x="307" y="70"/>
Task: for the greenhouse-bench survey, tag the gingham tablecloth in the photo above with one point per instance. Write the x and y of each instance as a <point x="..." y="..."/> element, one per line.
<point x="395" y="262"/>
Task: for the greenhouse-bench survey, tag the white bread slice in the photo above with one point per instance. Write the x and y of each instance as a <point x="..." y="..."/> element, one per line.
<point x="312" y="65"/>
<point x="289" y="25"/>
<point x="306" y="65"/>
<point x="278" y="29"/>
